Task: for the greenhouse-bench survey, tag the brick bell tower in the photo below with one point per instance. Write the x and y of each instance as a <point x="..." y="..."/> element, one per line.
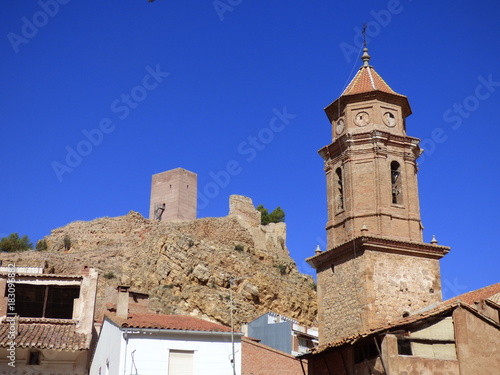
<point x="376" y="267"/>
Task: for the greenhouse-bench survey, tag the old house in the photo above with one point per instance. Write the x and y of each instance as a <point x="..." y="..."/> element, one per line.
<point x="149" y="343"/>
<point x="380" y="307"/>
<point x="456" y="337"/>
<point x="46" y="321"/>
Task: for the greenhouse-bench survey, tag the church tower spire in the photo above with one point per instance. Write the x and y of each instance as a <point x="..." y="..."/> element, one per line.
<point x="371" y="163"/>
<point x="376" y="267"/>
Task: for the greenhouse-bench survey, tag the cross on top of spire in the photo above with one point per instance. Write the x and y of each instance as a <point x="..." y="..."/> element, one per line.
<point x="365" y="57"/>
<point x="364" y="34"/>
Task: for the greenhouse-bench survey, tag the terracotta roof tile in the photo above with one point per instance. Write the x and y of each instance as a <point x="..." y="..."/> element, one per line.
<point x="495" y="298"/>
<point x="477" y="295"/>
<point x="366" y="80"/>
<point x="465" y="300"/>
<point x="169" y="322"/>
<point x="55" y="336"/>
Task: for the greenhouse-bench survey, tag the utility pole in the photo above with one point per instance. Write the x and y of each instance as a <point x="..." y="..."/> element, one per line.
<point x="231" y="282"/>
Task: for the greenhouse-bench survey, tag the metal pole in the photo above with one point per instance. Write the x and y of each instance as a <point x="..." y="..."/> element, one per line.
<point x="231" y="281"/>
<point x="233" y="360"/>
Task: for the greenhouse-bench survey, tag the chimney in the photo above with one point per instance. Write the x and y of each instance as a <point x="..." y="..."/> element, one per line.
<point x="85" y="270"/>
<point x="16" y="325"/>
<point x="122" y="302"/>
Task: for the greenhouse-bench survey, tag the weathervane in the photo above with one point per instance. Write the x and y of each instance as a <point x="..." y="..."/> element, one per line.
<point x="365" y="57"/>
<point x="364" y="34"/>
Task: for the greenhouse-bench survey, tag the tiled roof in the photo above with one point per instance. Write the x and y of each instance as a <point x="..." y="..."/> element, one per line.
<point x="366" y="80"/>
<point x="440" y="309"/>
<point x="478" y="295"/>
<point x="168" y="322"/>
<point x="495" y="298"/>
<point x="54" y="335"/>
<point x="464" y="300"/>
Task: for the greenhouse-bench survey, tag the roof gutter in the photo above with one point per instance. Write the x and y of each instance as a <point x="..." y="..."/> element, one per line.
<point x="131" y="330"/>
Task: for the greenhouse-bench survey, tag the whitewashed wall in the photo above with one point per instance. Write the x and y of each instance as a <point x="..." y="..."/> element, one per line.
<point x="110" y="347"/>
<point x="212" y="351"/>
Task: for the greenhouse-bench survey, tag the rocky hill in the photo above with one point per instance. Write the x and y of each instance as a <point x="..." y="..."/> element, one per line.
<point x="186" y="266"/>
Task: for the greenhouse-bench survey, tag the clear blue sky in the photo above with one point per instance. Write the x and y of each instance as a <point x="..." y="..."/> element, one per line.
<point x="192" y="83"/>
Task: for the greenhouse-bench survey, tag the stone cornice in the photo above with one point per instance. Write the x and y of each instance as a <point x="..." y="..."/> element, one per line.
<point x="373" y="137"/>
<point x="359" y="245"/>
<point x="332" y="110"/>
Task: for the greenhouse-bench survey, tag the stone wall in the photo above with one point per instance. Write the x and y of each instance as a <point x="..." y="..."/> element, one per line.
<point x="340" y="292"/>
<point x="176" y="189"/>
<point x="242" y="207"/>
<point x="367" y="289"/>
<point x="398" y="283"/>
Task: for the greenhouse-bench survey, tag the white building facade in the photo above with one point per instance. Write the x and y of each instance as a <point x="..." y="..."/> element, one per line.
<point x="164" y="344"/>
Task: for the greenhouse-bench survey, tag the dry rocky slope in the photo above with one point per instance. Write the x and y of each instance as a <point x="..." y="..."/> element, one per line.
<point x="186" y="266"/>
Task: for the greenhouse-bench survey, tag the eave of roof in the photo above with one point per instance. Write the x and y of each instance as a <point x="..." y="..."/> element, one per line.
<point x="477" y="295"/>
<point x="44" y="275"/>
<point x="379" y="243"/>
<point x="59" y="335"/>
<point x="167" y="322"/>
<point x="443" y="308"/>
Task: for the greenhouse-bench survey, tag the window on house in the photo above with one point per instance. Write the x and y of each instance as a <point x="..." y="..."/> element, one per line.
<point x="34" y="357"/>
<point x="340" y="189"/>
<point x="45" y="301"/>
<point x="404" y="347"/>
<point x="396" y="183"/>
<point x="180" y="362"/>
<point x="304" y="344"/>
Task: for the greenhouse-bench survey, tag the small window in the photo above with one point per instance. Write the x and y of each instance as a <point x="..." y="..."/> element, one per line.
<point x="34" y="358"/>
<point x="340" y="189"/>
<point x="180" y="362"/>
<point x="404" y="347"/>
<point x="396" y="183"/>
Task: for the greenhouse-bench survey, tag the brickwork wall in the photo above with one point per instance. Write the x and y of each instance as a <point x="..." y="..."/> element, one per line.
<point x="177" y="189"/>
<point x="258" y="359"/>
<point x="367" y="191"/>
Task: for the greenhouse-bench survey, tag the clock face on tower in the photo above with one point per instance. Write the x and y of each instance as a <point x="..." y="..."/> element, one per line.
<point x="362" y="119"/>
<point x="389" y="119"/>
<point x="340" y="126"/>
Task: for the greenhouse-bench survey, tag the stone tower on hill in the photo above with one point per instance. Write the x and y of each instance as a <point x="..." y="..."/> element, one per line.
<point x="376" y="268"/>
<point x="173" y="195"/>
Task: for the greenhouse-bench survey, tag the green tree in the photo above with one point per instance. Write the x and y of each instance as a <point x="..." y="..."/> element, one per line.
<point x="13" y="243"/>
<point x="41" y="245"/>
<point x="67" y="242"/>
<point x="277" y="216"/>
